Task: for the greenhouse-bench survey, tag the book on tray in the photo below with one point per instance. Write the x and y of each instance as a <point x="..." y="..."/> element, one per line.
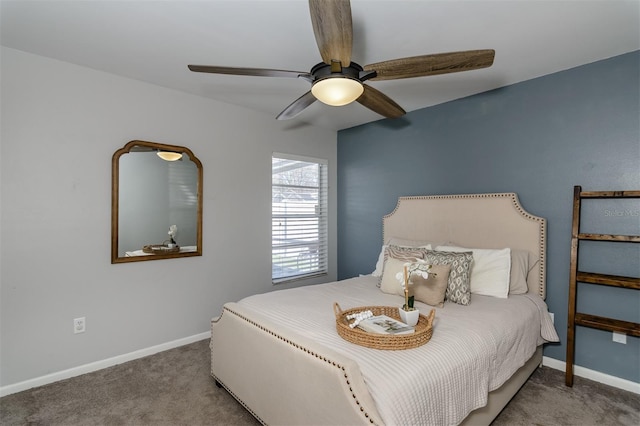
<point x="384" y="324"/>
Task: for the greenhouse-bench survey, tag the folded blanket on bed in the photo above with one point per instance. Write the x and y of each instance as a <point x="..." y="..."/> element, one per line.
<point x="474" y="349"/>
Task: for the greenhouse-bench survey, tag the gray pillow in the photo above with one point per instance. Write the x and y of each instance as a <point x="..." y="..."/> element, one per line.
<point x="522" y="263"/>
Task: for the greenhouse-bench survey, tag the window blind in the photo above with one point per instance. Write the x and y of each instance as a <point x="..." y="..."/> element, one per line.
<point x="298" y="217"/>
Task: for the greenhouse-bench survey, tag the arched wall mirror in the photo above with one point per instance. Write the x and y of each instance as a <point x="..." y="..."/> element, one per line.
<point x="156" y="202"/>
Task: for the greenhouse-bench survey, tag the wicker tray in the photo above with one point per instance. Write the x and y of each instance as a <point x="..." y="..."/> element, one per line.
<point x="422" y="334"/>
<point x="160" y="249"/>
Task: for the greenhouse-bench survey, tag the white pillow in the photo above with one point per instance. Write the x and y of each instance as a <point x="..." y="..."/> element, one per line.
<point x="380" y="263"/>
<point x="490" y="271"/>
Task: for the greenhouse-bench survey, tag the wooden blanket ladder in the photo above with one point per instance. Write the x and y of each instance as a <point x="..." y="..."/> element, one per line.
<point x="577" y="276"/>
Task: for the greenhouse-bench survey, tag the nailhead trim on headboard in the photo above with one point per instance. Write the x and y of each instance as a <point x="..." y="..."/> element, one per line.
<point x="516" y="204"/>
<point x="303" y="349"/>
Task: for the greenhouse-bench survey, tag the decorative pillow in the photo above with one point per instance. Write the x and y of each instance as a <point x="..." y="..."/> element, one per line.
<point x="397" y="242"/>
<point x="389" y="283"/>
<point x="432" y="290"/>
<point x="408" y="254"/>
<point x="458" y="287"/>
<point x="400" y="252"/>
<point x="490" y="271"/>
<point x="393" y="241"/>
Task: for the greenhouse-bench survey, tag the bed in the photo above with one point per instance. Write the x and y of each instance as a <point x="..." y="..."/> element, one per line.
<point x="280" y="356"/>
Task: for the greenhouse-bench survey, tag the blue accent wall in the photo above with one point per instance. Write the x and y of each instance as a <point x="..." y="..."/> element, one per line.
<point x="538" y="138"/>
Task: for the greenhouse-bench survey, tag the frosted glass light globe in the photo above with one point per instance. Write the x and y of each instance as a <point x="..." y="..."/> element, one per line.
<point x="337" y="91"/>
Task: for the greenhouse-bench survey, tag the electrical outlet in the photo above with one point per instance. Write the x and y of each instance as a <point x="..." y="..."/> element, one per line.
<point x="619" y="337"/>
<point x="552" y="317"/>
<point x="79" y="325"/>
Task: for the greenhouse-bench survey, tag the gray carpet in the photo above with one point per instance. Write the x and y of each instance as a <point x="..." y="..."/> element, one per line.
<point x="174" y="388"/>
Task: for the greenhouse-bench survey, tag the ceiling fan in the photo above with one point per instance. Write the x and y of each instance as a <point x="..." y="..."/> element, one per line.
<point x="339" y="81"/>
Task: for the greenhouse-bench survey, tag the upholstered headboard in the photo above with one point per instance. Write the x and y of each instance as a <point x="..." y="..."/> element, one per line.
<point x="490" y="221"/>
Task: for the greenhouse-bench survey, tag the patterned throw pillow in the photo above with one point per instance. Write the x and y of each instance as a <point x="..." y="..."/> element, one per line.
<point x="458" y="286"/>
<point x="401" y="252"/>
<point x="408" y="254"/>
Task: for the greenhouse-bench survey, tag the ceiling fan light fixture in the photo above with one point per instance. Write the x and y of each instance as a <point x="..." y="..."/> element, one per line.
<point x="169" y="156"/>
<point x="337" y="91"/>
<point x="337" y="80"/>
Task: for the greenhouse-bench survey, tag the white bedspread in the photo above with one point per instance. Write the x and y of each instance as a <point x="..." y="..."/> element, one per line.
<point x="474" y="349"/>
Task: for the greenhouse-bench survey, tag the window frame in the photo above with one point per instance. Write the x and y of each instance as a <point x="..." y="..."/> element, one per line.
<point x="316" y="257"/>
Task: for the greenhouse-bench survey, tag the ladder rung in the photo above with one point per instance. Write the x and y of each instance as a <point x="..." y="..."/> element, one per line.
<point x="608" y="237"/>
<point x="610" y="194"/>
<point x="612" y="280"/>
<point x="608" y="324"/>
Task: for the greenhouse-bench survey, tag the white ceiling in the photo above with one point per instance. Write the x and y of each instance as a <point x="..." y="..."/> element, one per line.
<point x="153" y="41"/>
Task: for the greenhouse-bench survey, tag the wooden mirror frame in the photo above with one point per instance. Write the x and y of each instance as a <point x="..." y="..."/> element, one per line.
<point x="115" y="187"/>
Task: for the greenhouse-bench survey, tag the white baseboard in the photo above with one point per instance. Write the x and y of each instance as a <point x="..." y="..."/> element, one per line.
<point x="596" y="376"/>
<point x="99" y="365"/>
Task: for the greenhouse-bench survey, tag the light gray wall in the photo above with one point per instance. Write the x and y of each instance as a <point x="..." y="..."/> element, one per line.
<point x="60" y="126"/>
<point x="538" y="138"/>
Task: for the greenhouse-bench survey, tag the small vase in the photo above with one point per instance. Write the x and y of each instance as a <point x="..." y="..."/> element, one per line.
<point x="409" y="317"/>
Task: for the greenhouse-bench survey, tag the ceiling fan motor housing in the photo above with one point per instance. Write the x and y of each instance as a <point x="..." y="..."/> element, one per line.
<point x="354" y="71"/>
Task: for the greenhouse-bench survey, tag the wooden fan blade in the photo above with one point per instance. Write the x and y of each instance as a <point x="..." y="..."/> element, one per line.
<point x="297" y="106"/>
<point x="333" y="29"/>
<point x="439" y="63"/>
<point x="378" y="102"/>
<point x="259" y="72"/>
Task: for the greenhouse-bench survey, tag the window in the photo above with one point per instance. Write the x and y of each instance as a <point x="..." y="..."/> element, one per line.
<point x="298" y="217"/>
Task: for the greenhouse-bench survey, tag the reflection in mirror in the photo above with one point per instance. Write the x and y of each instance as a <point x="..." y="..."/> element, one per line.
<point x="156" y="203"/>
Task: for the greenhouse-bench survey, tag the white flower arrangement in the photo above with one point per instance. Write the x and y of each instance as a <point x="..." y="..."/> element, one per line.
<point x="419" y="267"/>
<point x="173" y="230"/>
